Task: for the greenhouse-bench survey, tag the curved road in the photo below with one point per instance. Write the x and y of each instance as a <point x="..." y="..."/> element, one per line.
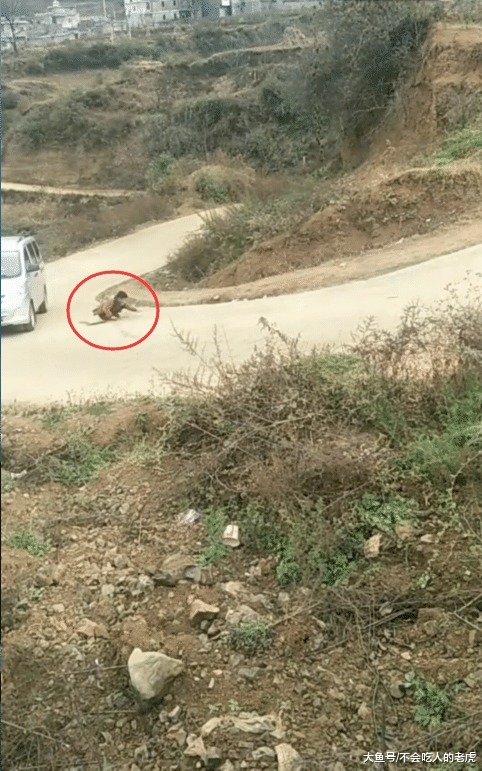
<point x="51" y="364"/>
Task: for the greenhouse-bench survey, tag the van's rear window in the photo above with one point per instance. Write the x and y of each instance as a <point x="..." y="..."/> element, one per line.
<point x="11" y="265"/>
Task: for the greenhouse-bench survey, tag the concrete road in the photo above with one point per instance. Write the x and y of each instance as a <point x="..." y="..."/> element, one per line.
<point x="51" y="364"/>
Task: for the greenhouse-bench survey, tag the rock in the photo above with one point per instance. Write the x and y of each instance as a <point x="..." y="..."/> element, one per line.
<point x="215" y="628"/>
<point x="47" y="576"/>
<point x="151" y="673"/>
<point x="175" y="713"/>
<point x="364" y="711"/>
<point x="201" y="611"/>
<point x="179" y="735"/>
<point x="371" y="547"/>
<point x="144" y="583"/>
<point x="241" y="614"/>
<point x="234" y="589"/>
<point x="474" y="679"/>
<point x="213" y="758"/>
<point x="89" y="628"/>
<point x="176" y="568"/>
<point x="397" y="691"/>
<point x="228" y="766"/>
<point x="211" y="725"/>
<point x="249" y="673"/>
<point x="194" y="573"/>
<point x="284" y="598"/>
<point x="141" y="753"/>
<point x="59" y="607"/>
<point x="263" y="753"/>
<point x="107" y="590"/>
<point x="164" y="579"/>
<point x="288" y="758"/>
<point x="404" y="531"/>
<point x="427" y="538"/>
<point x="195" y="747"/>
<point x="258" y="601"/>
<point x="105" y="610"/>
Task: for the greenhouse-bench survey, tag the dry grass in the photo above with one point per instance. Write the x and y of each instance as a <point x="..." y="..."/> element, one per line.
<point x="285" y="435"/>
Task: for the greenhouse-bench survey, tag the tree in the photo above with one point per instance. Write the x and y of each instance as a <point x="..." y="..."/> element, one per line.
<point x="13" y="11"/>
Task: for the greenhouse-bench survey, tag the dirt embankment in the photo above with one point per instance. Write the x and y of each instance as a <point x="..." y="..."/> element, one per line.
<point x="414" y="202"/>
<point x="384" y="201"/>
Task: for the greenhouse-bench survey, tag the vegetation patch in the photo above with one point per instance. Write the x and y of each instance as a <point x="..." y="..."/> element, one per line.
<point x="29" y="541"/>
<point x="77" y="462"/>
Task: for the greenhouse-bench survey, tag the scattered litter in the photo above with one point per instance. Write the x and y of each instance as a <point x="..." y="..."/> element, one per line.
<point x="231" y="536"/>
<point x="190" y="516"/>
<point x="19" y="475"/>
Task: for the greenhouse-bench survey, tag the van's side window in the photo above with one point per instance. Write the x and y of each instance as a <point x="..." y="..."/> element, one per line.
<point x="36" y="251"/>
<point x="31" y="261"/>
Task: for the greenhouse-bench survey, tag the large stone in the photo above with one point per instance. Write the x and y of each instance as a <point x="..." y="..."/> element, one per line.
<point x="151" y="672"/>
<point x="195" y="748"/>
<point x="288" y="758"/>
<point x="200" y="611"/>
<point x="176" y="568"/>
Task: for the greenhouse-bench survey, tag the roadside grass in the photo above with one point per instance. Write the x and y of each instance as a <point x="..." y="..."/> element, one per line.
<point x="461" y="144"/>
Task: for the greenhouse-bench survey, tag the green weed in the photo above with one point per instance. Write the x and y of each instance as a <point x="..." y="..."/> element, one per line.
<point x="431" y="702"/>
<point x="251" y="637"/>
<point x="52" y="417"/>
<point x="216" y="550"/>
<point x="99" y="408"/>
<point x="29" y="541"/>
<point x="79" y="461"/>
<point x="375" y="513"/>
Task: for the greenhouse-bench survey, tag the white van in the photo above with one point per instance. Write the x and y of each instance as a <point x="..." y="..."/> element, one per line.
<point x="24" y="289"/>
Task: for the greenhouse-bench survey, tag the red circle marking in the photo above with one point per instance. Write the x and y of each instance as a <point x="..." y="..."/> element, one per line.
<point x="116" y="273"/>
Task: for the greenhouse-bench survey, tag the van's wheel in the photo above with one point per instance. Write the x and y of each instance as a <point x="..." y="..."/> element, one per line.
<point x="45" y="304"/>
<point x="32" y="320"/>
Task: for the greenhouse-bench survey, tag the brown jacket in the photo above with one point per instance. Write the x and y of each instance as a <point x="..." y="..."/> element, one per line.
<point x="111" y="307"/>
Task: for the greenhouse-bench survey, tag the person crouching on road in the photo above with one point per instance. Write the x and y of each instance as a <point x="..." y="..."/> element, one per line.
<point x="110" y="309"/>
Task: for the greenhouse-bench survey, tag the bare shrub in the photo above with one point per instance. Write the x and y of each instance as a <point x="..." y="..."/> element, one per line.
<point x="225" y="237"/>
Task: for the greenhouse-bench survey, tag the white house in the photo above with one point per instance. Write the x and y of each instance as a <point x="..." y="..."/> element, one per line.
<point x="166" y="10"/>
<point x="56" y="22"/>
<point x="63" y="18"/>
<point x="138" y="12"/>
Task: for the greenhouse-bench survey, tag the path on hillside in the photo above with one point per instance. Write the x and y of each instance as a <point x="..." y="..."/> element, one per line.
<point x="51" y="364"/>
<point x="62" y="192"/>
